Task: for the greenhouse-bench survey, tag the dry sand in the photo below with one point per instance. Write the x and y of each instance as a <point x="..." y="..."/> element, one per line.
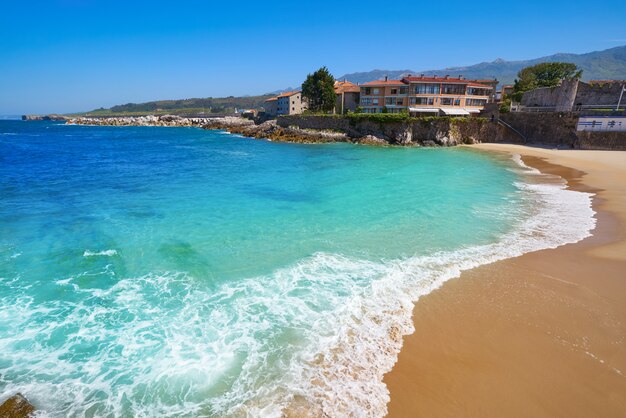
<point x="541" y="335"/>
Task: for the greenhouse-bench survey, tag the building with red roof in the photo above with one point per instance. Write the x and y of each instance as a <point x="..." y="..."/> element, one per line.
<point x="348" y="95"/>
<point x="286" y="103"/>
<point x="421" y="95"/>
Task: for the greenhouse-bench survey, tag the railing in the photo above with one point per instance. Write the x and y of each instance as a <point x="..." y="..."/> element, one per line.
<point x="615" y="107"/>
<point x="519" y="108"/>
<point x="579" y="108"/>
<point x="506" y="125"/>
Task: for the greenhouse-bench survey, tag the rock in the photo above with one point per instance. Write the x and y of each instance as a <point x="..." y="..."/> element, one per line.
<point x="16" y="406"/>
<point x="43" y="117"/>
<point x="170" y="118"/>
<point x="372" y="140"/>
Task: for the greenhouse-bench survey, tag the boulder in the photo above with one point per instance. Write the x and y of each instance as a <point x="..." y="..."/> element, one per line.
<point x="17" y="406"/>
<point x="170" y="118"/>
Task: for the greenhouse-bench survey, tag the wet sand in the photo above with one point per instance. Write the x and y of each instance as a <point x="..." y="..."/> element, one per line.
<point x="541" y="335"/>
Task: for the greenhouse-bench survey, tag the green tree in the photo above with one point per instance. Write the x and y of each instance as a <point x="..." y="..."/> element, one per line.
<point x="546" y="74"/>
<point x="319" y="90"/>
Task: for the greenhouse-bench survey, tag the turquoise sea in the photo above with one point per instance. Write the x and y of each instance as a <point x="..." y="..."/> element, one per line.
<point x="184" y="272"/>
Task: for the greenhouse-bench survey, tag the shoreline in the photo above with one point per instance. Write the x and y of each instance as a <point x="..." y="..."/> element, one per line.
<point x="316" y="129"/>
<point x="542" y="334"/>
<point x="269" y="130"/>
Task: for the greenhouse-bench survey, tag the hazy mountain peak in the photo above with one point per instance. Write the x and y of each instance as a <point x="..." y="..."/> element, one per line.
<point x="607" y="64"/>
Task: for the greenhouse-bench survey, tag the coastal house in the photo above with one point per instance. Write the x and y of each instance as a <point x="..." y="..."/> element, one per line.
<point x="287" y="103"/>
<point x="348" y="95"/>
<point x="421" y="95"/>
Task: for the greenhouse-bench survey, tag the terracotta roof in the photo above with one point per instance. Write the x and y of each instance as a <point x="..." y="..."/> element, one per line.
<point x="453" y="80"/>
<point x="346" y="87"/>
<point x="271" y="99"/>
<point x="288" y="93"/>
<point x="485" y="81"/>
<point x="385" y="83"/>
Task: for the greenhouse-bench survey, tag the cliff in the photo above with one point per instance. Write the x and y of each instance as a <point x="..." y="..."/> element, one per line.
<point x="396" y="129"/>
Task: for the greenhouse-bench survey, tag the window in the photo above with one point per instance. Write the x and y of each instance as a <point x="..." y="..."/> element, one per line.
<point x="453" y="89"/>
<point x="445" y="101"/>
<point x="475" y="102"/>
<point x="368" y="91"/>
<point x="457" y="102"/>
<point x="394" y="91"/>
<point x="473" y="91"/>
<point x="389" y="101"/>
<point x="366" y="101"/>
<point x="375" y="91"/>
<point x="402" y="90"/>
<point x="429" y="101"/>
<point x="399" y="102"/>
<point x="426" y="88"/>
<point x="375" y="102"/>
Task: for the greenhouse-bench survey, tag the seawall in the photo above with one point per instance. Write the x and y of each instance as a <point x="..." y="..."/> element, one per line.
<point x="558" y="129"/>
<point x="398" y="130"/>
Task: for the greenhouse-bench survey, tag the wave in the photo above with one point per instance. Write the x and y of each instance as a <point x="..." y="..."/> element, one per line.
<point x="106" y="253"/>
<point x="311" y="339"/>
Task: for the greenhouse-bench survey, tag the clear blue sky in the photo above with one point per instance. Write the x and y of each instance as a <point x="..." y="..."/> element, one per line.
<point x="74" y="55"/>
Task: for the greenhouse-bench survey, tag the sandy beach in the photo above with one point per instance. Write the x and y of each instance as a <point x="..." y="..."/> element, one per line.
<point x="539" y="335"/>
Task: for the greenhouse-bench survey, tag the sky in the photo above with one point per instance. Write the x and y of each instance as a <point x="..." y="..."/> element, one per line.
<point x="61" y="56"/>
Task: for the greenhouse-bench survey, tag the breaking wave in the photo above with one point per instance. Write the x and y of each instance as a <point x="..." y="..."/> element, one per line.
<point x="311" y="339"/>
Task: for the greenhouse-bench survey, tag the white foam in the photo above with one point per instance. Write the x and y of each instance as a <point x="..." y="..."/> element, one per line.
<point x="105" y="253"/>
<point x="313" y="338"/>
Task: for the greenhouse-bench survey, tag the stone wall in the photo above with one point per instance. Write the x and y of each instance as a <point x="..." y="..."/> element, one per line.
<point x="598" y="94"/>
<point x="425" y="131"/>
<point x="562" y="97"/>
<point x="574" y="93"/>
<point x="558" y="130"/>
<point x="602" y="140"/>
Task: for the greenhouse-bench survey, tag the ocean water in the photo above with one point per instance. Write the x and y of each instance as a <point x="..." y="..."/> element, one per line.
<point x="184" y="272"/>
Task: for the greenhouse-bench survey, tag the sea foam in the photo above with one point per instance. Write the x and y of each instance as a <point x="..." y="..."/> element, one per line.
<point x="105" y="253"/>
<point x="311" y="339"/>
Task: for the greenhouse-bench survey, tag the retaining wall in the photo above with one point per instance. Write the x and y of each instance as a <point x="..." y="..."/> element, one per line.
<point x="415" y="131"/>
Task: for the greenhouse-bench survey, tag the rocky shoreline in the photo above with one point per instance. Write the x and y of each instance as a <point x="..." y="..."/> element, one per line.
<point x="269" y="130"/>
<point x="323" y="129"/>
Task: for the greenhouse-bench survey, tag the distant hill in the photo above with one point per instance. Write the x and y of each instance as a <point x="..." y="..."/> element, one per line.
<point x="209" y="105"/>
<point x="607" y="64"/>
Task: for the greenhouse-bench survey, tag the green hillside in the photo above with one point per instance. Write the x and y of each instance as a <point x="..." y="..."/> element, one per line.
<point x="198" y="106"/>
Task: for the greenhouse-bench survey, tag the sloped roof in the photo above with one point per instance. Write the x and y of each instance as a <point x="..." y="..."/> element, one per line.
<point x="385" y="83"/>
<point x="288" y="93"/>
<point x="346" y="87"/>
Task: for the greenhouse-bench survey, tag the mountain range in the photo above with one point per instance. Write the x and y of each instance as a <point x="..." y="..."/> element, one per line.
<point x="609" y="64"/>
